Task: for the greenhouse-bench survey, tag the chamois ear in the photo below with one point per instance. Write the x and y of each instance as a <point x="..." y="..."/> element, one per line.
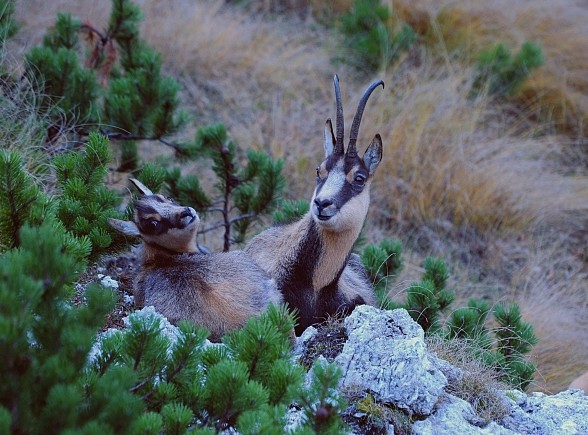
<point x="127" y="228"/>
<point x="373" y="154"/>
<point x="142" y="188"/>
<point x="329" y="138"/>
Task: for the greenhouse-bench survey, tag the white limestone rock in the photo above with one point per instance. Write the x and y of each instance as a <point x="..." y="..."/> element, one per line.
<point x="538" y="413"/>
<point x="456" y="416"/>
<point x="386" y="355"/>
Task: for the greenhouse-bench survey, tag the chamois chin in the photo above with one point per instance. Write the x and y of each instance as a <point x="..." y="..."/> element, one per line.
<point x="216" y="291"/>
<point x="311" y="259"/>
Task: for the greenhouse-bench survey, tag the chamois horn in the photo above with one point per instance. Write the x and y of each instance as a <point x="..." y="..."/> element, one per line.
<point x="141" y="187"/>
<point x="340" y="121"/>
<point x="351" y="151"/>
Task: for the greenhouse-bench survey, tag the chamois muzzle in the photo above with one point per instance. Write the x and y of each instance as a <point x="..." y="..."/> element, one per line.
<point x="187" y="217"/>
<point x="324" y="209"/>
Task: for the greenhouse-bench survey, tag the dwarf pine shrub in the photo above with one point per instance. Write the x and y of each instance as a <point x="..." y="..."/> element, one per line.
<point x="115" y="84"/>
<point x="502" y="72"/>
<point x="369" y="34"/>
<point x="141" y="379"/>
<point x="44" y="339"/>
<point x="502" y="348"/>
<point x="81" y="203"/>
<point x="383" y="262"/>
<point x="243" y="193"/>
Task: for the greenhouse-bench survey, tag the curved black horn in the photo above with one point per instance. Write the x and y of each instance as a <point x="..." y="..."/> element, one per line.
<point x="357" y="119"/>
<point x="339" y="121"/>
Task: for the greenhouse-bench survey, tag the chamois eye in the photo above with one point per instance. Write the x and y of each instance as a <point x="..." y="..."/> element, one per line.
<point x="153" y="224"/>
<point x="359" y="179"/>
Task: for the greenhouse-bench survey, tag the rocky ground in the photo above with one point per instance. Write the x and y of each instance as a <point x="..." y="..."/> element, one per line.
<point x="117" y="272"/>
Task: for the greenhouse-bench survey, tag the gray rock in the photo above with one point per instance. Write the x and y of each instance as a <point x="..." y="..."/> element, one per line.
<point x="538" y="413"/>
<point x="456" y="416"/>
<point x="302" y="342"/>
<point x="386" y="355"/>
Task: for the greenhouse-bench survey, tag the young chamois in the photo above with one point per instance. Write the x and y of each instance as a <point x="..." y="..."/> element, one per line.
<point x="216" y="291"/>
<point x="311" y="259"/>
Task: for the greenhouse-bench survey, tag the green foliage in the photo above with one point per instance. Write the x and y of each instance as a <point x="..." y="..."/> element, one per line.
<point x="82" y="206"/>
<point x="290" y="211"/>
<point x="322" y="401"/>
<point x="115" y="86"/>
<point x="502" y="348"/>
<point x="18" y="194"/>
<point x="154" y="176"/>
<point x="246" y="383"/>
<point x="140" y="379"/>
<point x="428" y="298"/>
<point x="515" y="337"/>
<point x="44" y="340"/>
<point x="21" y="203"/>
<point x="503" y="73"/>
<point x="8" y="26"/>
<point x="85" y="203"/>
<point x="374" y="41"/>
<point x="243" y="194"/>
<point x="67" y="91"/>
<point x="383" y="262"/>
<point x="469" y="322"/>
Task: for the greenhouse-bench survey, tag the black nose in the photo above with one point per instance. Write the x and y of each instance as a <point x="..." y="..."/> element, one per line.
<point x="186" y="213"/>
<point x="323" y="203"/>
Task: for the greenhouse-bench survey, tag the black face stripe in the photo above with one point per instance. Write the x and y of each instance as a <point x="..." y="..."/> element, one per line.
<point x="159" y="198"/>
<point x="352" y="166"/>
<point x="146" y="226"/>
<point x="150" y="220"/>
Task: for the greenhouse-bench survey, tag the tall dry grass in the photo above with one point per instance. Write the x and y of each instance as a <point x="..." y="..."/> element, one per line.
<point x="559" y="90"/>
<point x="452" y="165"/>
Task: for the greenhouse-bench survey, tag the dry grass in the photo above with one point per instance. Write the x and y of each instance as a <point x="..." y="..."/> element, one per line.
<point x="551" y="290"/>
<point x="559" y="90"/>
<point x="478" y="384"/>
<point x="442" y="161"/>
<point x="470" y="175"/>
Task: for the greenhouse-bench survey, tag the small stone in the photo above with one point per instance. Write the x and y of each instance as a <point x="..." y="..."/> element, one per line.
<point x="107" y="281"/>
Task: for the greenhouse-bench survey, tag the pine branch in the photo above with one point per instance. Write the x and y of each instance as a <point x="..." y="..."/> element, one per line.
<point x="129" y="137"/>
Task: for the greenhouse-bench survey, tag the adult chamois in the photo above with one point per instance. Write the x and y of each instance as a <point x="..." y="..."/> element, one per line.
<point x="311" y="259"/>
<point x="216" y="291"/>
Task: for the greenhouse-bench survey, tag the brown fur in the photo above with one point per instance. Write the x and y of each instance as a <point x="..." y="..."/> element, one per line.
<point x="216" y="291"/>
<point x="311" y="259"/>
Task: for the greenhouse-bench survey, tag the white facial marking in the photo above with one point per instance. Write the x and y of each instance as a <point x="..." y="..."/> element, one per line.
<point x="334" y="183"/>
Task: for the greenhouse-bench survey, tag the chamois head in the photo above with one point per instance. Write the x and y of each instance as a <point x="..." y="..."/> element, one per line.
<point x="341" y="198"/>
<point x="160" y="222"/>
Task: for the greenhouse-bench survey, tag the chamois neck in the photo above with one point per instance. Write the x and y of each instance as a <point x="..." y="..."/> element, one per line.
<point x="336" y="246"/>
<point x="150" y="252"/>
